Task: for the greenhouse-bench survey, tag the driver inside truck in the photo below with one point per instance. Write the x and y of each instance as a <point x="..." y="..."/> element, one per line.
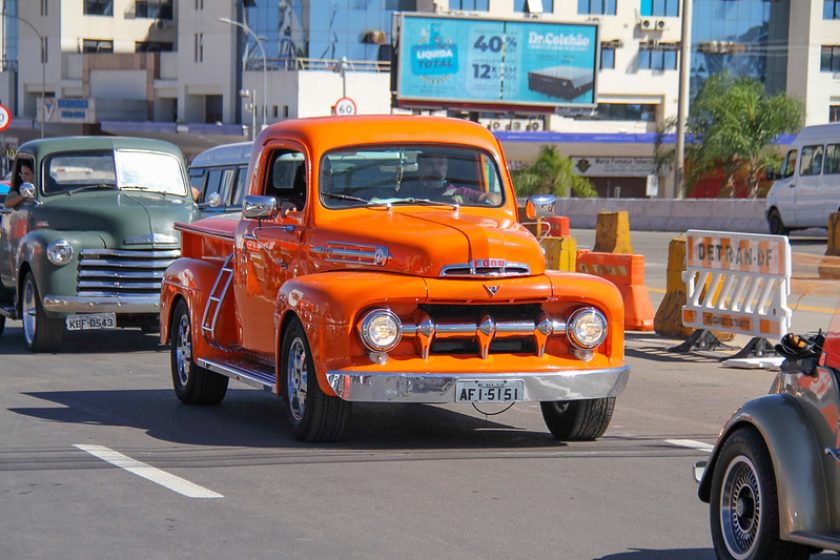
<point x="25" y="175"/>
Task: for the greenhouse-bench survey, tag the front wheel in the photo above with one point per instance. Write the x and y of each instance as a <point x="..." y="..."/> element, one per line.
<point x="581" y="420"/>
<point x="744" y="510"/>
<point x="42" y="333"/>
<point x="193" y="384"/>
<point x="774" y="221"/>
<point x="312" y="415"/>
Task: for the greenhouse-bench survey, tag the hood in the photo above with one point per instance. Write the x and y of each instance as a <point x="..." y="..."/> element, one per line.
<point x="120" y="219"/>
<point x="423" y="243"/>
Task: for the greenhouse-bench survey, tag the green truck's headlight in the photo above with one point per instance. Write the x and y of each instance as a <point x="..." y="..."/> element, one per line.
<point x="60" y="252"/>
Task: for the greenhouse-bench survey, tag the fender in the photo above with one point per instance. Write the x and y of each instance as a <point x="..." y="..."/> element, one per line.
<point x="193" y="279"/>
<point x="328" y="304"/>
<point x="52" y="279"/>
<point x="800" y="480"/>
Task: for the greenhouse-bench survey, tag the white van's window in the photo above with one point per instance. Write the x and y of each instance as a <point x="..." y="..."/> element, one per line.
<point x="789" y="165"/>
<point x="832" y="160"/>
<point x="811" y="163"/>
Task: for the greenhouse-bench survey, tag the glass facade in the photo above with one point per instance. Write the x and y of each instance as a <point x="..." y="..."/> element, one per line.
<point x="599" y="7"/>
<point x="831" y="9"/>
<point x="10" y="36"/>
<point x="660" y="8"/>
<point x="356" y="29"/>
<point x="744" y="37"/>
<point x="547" y="6"/>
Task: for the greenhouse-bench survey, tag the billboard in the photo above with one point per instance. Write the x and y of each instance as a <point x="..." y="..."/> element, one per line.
<point x="443" y="59"/>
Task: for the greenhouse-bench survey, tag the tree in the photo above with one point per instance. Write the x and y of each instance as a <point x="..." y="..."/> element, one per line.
<point x="732" y="122"/>
<point x="551" y="173"/>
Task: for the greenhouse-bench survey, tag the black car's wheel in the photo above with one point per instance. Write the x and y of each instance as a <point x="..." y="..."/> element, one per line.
<point x="42" y="333"/>
<point x="777" y="226"/>
<point x="193" y="384"/>
<point x="744" y="509"/>
<point x="580" y="420"/>
<point x="312" y="415"/>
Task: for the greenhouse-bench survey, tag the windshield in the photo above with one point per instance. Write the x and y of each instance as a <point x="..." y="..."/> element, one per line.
<point x="109" y="169"/>
<point x="422" y="175"/>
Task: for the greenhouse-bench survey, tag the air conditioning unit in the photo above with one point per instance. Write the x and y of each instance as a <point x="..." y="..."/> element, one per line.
<point x="535" y="125"/>
<point x="647" y="24"/>
<point x="661" y="24"/>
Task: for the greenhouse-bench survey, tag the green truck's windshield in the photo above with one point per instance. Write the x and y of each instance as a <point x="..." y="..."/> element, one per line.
<point x="106" y="169"/>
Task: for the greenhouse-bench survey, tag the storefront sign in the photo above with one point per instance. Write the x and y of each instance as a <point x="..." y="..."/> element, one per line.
<point x="614" y="166"/>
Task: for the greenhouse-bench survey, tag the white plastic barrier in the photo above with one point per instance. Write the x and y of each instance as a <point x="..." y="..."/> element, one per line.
<point x="737" y="282"/>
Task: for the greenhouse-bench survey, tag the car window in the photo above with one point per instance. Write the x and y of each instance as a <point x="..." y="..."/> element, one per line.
<point x="410" y="175"/>
<point x="197" y="179"/>
<point x="71" y="170"/>
<point x="811" y="163"/>
<point x="287" y="178"/>
<point x="213" y="184"/>
<point x="832" y="159"/>
<point x="789" y="165"/>
<point x="239" y="186"/>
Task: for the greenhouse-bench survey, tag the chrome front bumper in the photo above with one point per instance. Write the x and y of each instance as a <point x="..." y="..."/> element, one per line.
<point x="102" y="304"/>
<point x="440" y="387"/>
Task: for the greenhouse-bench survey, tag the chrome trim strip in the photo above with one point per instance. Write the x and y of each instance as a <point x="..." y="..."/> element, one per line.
<point x="88" y="263"/>
<point x="103" y="304"/>
<point x="503" y="329"/>
<point x="471" y="270"/>
<point x="259" y="379"/>
<point x="127" y="274"/>
<point x="355" y="253"/>
<point x="154" y="254"/>
<point x="440" y="387"/>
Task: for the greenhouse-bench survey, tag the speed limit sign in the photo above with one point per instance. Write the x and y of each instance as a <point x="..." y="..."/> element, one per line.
<point x="344" y="107"/>
<point x="5" y="117"/>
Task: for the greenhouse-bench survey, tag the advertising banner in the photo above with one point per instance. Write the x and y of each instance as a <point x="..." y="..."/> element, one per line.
<point x="456" y="59"/>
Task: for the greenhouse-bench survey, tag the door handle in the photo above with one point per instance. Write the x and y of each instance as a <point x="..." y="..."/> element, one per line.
<point x="835" y="453"/>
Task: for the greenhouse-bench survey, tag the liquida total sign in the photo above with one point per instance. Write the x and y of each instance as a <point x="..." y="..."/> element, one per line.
<point x="500" y="62"/>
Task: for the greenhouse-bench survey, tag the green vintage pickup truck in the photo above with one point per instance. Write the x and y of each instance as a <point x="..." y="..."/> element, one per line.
<point x="87" y="243"/>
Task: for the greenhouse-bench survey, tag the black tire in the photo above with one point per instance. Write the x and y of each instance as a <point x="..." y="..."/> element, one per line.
<point x="581" y="420"/>
<point x="749" y="525"/>
<point x="775" y="223"/>
<point x="193" y="384"/>
<point x="2" y="324"/>
<point x="312" y="415"/>
<point x="42" y="333"/>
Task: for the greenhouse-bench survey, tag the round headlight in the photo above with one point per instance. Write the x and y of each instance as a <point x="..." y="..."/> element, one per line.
<point x="587" y="328"/>
<point x="59" y="252"/>
<point x="381" y="330"/>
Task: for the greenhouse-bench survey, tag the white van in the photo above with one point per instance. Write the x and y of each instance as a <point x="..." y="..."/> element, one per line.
<point x="808" y="187"/>
<point x="222" y="170"/>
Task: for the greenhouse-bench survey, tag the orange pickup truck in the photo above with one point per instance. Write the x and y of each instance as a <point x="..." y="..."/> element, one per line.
<point x="380" y="259"/>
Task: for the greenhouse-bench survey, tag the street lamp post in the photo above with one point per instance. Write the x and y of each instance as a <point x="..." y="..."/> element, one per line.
<point x="257" y="39"/>
<point x="43" y="63"/>
<point x="682" y="99"/>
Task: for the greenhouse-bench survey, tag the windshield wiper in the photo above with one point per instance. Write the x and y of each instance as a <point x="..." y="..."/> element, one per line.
<point x="141" y="188"/>
<point x="423" y="202"/>
<point x="346" y="197"/>
<point x="91" y="188"/>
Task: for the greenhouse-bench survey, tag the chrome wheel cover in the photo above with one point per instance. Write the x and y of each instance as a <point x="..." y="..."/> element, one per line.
<point x="29" y="310"/>
<point x="183" y="350"/>
<point x="740" y="507"/>
<point x="296" y="378"/>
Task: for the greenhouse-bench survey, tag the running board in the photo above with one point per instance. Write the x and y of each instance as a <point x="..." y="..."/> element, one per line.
<point x="9" y="312"/>
<point x="264" y="380"/>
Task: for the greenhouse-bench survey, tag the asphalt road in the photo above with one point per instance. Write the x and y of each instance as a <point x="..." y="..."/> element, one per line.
<point x="408" y="481"/>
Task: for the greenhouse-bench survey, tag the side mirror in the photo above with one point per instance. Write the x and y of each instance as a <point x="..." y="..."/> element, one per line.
<point x="770" y="173"/>
<point x="540" y="206"/>
<point x="257" y="206"/>
<point x="27" y="191"/>
<point x="214" y="200"/>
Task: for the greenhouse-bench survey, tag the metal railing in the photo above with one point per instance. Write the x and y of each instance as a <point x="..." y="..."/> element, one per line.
<point x="325" y="64"/>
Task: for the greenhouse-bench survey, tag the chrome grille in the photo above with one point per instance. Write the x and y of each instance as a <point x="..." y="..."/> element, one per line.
<point x="115" y="272"/>
<point x="486" y="268"/>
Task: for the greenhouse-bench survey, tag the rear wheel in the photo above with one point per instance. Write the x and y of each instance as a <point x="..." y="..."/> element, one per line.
<point x="312" y="415"/>
<point x="744" y="508"/>
<point x="193" y="384"/>
<point x="580" y="420"/>
<point x="774" y="221"/>
<point x="42" y="333"/>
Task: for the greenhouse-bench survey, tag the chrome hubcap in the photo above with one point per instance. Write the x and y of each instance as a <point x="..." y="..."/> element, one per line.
<point x="296" y="378"/>
<point x="183" y="350"/>
<point x="29" y="309"/>
<point x="740" y="507"/>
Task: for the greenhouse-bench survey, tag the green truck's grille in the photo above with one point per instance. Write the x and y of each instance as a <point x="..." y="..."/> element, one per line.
<point x="106" y="272"/>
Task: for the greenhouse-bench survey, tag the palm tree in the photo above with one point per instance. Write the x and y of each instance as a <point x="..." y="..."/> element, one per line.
<point x="733" y="121"/>
<point x="551" y="173"/>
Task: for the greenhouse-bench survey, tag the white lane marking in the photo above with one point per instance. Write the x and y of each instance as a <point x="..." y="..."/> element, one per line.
<point x="691" y="444"/>
<point x="165" y="479"/>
